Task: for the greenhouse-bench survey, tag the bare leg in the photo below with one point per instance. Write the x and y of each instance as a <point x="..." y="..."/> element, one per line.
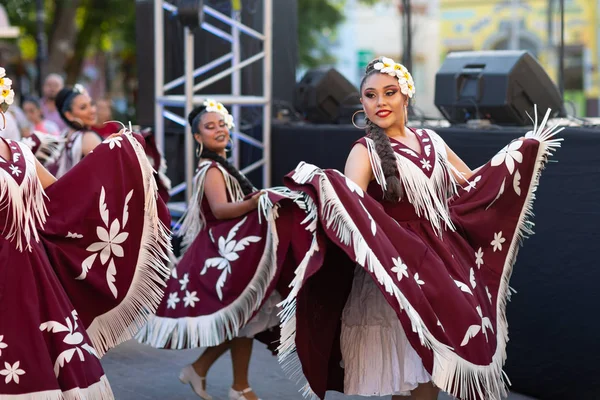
<point x="208" y="358"/>
<point x="241" y="351"/>
<point x="425" y="391"/>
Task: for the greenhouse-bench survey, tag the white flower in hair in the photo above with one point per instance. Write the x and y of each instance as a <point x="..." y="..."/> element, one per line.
<point x="2" y="72"/>
<point x="392" y="68"/>
<point x="7" y="96"/>
<point x="229" y="121"/>
<point x="385" y="66"/>
<point x="211" y="105"/>
<point x="5" y="83"/>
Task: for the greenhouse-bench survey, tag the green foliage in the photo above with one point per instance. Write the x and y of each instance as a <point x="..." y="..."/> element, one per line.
<point x="318" y="21"/>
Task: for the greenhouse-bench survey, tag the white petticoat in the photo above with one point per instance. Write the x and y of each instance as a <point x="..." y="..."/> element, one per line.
<point x="377" y="358"/>
<point x="265" y="318"/>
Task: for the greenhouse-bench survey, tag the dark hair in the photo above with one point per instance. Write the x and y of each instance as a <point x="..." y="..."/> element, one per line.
<point x="64" y="102"/>
<point x="383" y="147"/>
<point x="194" y="119"/>
<point x="33" y="100"/>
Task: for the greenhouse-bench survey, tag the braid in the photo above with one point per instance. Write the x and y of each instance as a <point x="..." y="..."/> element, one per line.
<point x="245" y="184"/>
<point x="394" y="191"/>
<point x="383" y="147"/>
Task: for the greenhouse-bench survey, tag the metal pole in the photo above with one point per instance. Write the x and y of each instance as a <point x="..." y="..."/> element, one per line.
<point x="41" y="44"/>
<point x="515" y="26"/>
<point x="408" y="25"/>
<point x="159" y="57"/>
<point x="561" y="52"/>
<point x="189" y="95"/>
<point x="267" y="89"/>
<point x="236" y="77"/>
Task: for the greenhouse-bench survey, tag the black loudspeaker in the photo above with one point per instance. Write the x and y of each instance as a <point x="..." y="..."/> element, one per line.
<point x="322" y="93"/>
<point x="501" y="86"/>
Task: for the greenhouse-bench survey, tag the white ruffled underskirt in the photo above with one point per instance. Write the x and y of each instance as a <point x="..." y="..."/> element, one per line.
<point x="377" y="357"/>
<point x="266" y="317"/>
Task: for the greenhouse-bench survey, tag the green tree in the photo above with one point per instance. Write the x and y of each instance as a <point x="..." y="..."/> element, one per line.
<point x="318" y="21"/>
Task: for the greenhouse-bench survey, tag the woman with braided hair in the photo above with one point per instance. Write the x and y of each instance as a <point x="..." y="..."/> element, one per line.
<point x="222" y="292"/>
<point x="405" y="294"/>
<point x="78" y="111"/>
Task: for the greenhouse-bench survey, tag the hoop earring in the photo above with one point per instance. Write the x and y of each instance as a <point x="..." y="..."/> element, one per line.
<point x="199" y="149"/>
<point x="79" y="122"/>
<point x="354" y="123"/>
<point x="405" y="115"/>
<point x="229" y="146"/>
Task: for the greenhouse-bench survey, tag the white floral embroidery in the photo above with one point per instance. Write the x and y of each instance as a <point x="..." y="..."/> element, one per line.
<point x="475" y="329"/>
<point x="190" y="299"/>
<point x="479" y="258"/>
<point x="489" y="295"/>
<point x="16" y="157"/>
<point x="427" y="149"/>
<point x="497" y="242"/>
<point x="426" y="164"/>
<point x="399" y="268"/>
<point x="184" y="281"/>
<point x="472" y="184"/>
<point x="500" y="193"/>
<point x="2" y="344"/>
<point x="110" y="242"/>
<point x="509" y="155"/>
<point x="173" y="300"/>
<point x="15" y="170"/>
<point x="114" y="141"/>
<point x="228" y="251"/>
<point x="440" y="325"/>
<point x="411" y="152"/>
<point x="373" y="224"/>
<point x="517" y="183"/>
<point x="463" y="287"/>
<point x="12" y="372"/>
<point x="73" y="338"/>
<point x="74" y="235"/>
<point x="472" y="278"/>
<point x="419" y="281"/>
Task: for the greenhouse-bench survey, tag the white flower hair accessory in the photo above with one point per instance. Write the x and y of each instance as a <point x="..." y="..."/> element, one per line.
<point x="7" y="95"/>
<point x="215" y="106"/>
<point x="392" y="68"/>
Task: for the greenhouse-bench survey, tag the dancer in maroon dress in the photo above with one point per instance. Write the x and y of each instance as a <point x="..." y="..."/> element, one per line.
<point x="79" y="113"/>
<point x="405" y="293"/>
<point x="222" y="292"/>
<point x="82" y="263"/>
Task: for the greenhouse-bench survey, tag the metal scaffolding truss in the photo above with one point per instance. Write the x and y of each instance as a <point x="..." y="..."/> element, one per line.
<point x="235" y="99"/>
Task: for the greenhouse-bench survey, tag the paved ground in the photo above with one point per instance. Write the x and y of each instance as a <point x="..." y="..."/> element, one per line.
<point x="138" y="372"/>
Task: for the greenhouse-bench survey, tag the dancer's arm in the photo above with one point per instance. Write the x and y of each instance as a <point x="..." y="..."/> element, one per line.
<point x="45" y="177"/>
<point x="89" y="142"/>
<point x="358" y="167"/>
<point x="462" y="173"/>
<point x="216" y="194"/>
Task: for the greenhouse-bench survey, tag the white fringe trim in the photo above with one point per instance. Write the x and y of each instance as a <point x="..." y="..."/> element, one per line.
<point x="426" y="194"/>
<point x="26" y="209"/>
<point x="50" y="148"/>
<point x="100" y="390"/>
<point x="449" y="372"/>
<point x="146" y="290"/>
<point x="193" y="220"/>
<point x="214" y="329"/>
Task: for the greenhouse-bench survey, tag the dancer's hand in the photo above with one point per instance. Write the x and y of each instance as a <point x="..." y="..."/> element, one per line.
<point x="122" y="131"/>
<point x="256" y="198"/>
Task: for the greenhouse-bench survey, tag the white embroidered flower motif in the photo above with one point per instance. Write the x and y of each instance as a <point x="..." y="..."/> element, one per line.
<point x="173" y="300"/>
<point x="425" y="164"/>
<point x="114" y="141"/>
<point x="472" y="278"/>
<point x="110" y="241"/>
<point x="228" y="251"/>
<point x="472" y="184"/>
<point x="489" y="295"/>
<point x="419" y="281"/>
<point x="12" y="372"/>
<point x="73" y="338"/>
<point x="509" y="155"/>
<point x="190" y="299"/>
<point x="479" y="258"/>
<point x="475" y="329"/>
<point x="15" y="170"/>
<point x="2" y="344"/>
<point x="497" y="242"/>
<point x="184" y="281"/>
<point x="517" y="183"/>
<point x="399" y="268"/>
